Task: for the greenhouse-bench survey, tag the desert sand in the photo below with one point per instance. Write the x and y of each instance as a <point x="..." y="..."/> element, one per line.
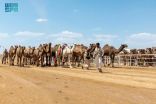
<point x="56" y="85"/>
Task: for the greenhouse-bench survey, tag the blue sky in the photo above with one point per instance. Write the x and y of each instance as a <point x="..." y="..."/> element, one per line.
<point x="79" y="21"/>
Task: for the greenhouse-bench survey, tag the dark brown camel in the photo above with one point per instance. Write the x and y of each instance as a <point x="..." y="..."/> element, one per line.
<point x="47" y="50"/>
<point x="111" y="51"/>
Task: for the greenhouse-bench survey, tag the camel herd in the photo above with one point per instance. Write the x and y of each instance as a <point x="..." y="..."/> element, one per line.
<point x="57" y="55"/>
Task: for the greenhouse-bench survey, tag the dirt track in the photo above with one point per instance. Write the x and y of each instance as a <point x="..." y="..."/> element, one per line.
<point x="32" y="85"/>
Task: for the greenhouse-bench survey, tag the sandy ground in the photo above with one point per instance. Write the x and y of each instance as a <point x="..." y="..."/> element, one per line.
<point x="32" y="85"/>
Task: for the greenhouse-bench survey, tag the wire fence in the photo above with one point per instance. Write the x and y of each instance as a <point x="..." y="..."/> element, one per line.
<point x="142" y="60"/>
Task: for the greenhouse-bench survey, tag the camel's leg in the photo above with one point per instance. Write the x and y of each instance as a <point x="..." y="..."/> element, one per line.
<point x="42" y="61"/>
<point x="69" y="61"/>
<point x="50" y="59"/>
<point x="13" y="60"/>
<point x="2" y="60"/>
<point x="113" y="60"/>
<point x="37" y="62"/>
<point x="17" y="60"/>
<point x="63" y="61"/>
<point x="110" y="61"/>
<point x="103" y="60"/>
<point x="79" y="59"/>
<point x="9" y="60"/>
<point x="20" y="61"/>
<point x="25" y="61"/>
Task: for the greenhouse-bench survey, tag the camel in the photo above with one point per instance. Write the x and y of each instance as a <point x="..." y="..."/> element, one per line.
<point x="153" y="50"/>
<point x="12" y="54"/>
<point x="36" y="57"/>
<point x="88" y="55"/>
<point x="28" y="55"/>
<point x="90" y="51"/>
<point x="5" y="57"/>
<point x="78" y="53"/>
<point x="47" y="54"/>
<point x="41" y="54"/>
<point x="111" y="51"/>
<point x="67" y="54"/>
<point x="57" y="54"/>
<point x="20" y="55"/>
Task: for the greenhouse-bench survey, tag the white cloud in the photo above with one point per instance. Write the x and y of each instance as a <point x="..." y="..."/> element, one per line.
<point x="141" y="40"/>
<point x="67" y="37"/>
<point x="41" y="20"/>
<point x="4" y="36"/>
<point x="69" y="34"/>
<point x="28" y="34"/>
<point x="105" y="38"/>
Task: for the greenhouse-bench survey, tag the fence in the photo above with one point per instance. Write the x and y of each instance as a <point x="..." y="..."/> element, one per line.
<point x="144" y="60"/>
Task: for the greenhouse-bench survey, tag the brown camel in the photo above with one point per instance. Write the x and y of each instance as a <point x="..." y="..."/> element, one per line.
<point x="28" y="55"/>
<point x="12" y="54"/>
<point x="90" y="51"/>
<point x="47" y="53"/>
<point x="36" y="56"/>
<point x="5" y="57"/>
<point x="20" y="55"/>
<point x="111" y="51"/>
<point x="78" y="53"/>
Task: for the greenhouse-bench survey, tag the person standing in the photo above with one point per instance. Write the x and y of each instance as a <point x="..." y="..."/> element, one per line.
<point x="98" y="57"/>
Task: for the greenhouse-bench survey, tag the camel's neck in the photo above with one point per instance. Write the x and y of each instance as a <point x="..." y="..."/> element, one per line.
<point x="73" y="48"/>
<point x="120" y="49"/>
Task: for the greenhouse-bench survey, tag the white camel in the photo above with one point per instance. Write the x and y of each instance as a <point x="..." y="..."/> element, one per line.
<point x="67" y="53"/>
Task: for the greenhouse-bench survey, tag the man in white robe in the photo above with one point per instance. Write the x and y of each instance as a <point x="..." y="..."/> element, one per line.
<point x="98" y="57"/>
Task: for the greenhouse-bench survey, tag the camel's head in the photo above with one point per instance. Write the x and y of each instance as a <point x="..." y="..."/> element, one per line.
<point x="31" y="50"/>
<point x="91" y="47"/>
<point x="149" y="50"/>
<point x="16" y="46"/>
<point x="124" y="45"/>
<point x="40" y="48"/>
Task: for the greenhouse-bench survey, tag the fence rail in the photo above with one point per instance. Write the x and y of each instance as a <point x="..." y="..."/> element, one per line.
<point x="133" y="60"/>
